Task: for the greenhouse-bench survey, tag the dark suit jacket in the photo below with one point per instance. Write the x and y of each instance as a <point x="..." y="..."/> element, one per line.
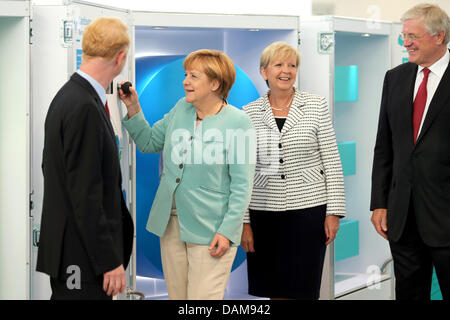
<point x="402" y="169"/>
<point x="85" y="221"/>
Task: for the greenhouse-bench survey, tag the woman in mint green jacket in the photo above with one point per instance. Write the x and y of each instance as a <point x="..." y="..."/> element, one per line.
<point x="209" y="150"/>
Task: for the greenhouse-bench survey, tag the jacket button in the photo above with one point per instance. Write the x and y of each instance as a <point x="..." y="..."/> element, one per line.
<point x="181" y="166"/>
<point x="279" y="145"/>
<point x="321" y="171"/>
<point x="283" y="176"/>
<point x="178" y="180"/>
<point x="281" y="160"/>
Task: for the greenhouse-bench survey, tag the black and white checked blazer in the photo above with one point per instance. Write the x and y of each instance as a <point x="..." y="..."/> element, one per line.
<point x="300" y="166"/>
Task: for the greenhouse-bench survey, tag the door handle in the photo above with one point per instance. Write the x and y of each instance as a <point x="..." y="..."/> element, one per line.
<point x="36" y="234"/>
<point x="136" y="293"/>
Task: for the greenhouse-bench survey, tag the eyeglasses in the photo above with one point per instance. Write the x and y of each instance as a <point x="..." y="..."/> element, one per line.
<point x="410" y="36"/>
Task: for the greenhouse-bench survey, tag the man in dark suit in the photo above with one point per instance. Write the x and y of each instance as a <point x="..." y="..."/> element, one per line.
<point x="411" y="168"/>
<point x="86" y="230"/>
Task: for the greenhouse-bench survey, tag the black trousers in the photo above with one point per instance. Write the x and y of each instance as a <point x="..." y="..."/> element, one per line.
<point x="414" y="261"/>
<point x="87" y="291"/>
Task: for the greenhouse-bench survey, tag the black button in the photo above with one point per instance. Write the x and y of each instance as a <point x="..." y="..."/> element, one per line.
<point x="178" y="180"/>
<point x="181" y="166"/>
<point x="321" y="171"/>
<point x="279" y="145"/>
<point x="281" y="161"/>
<point x="283" y="176"/>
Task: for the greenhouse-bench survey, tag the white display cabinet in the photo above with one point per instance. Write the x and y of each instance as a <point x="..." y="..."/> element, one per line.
<point x="14" y="149"/>
<point x="351" y="57"/>
<point x="55" y="56"/>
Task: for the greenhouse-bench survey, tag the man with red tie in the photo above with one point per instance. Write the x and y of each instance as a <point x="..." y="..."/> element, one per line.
<point x="411" y="168"/>
<point x="86" y="230"/>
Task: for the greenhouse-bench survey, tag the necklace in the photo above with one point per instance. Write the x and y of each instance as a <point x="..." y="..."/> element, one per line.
<point x="223" y="103"/>
<point x="284" y="108"/>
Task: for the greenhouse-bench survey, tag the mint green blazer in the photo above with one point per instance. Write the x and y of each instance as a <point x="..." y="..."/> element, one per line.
<point x="208" y="171"/>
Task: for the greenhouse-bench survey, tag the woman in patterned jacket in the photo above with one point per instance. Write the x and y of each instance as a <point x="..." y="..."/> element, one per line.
<point x="298" y="190"/>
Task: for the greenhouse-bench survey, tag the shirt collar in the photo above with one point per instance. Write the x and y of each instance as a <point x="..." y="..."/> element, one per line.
<point x="439" y="67"/>
<point x="95" y="84"/>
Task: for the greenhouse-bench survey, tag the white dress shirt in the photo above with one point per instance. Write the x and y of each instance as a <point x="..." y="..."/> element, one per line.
<point x="436" y="72"/>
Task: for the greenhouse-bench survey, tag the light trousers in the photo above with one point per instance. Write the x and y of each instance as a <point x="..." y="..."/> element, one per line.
<point x="191" y="273"/>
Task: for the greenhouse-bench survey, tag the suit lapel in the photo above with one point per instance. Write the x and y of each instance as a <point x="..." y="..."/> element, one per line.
<point x="295" y="112"/>
<point x="438" y="102"/>
<point x="267" y="116"/>
<point x="105" y="117"/>
<point x="99" y="105"/>
<point x="407" y="100"/>
<point x="294" y="116"/>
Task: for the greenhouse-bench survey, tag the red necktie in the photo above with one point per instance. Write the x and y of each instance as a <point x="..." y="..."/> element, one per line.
<point x="419" y="103"/>
<point x="107" y="109"/>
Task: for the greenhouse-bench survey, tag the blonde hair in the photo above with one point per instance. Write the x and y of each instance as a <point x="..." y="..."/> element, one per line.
<point x="434" y="19"/>
<point x="278" y="49"/>
<point x="105" y="38"/>
<point x="216" y="65"/>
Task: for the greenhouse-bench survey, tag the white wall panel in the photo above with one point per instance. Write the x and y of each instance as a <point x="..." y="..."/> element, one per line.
<point x="14" y="157"/>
